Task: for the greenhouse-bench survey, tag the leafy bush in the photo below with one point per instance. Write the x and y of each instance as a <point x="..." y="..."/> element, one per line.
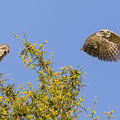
<point x="57" y="96"/>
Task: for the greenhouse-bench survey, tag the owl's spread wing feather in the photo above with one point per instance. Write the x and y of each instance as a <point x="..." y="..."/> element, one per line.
<point x="91" y="45"/>
<point x="101" y="48"/>
<point x="108" y="51"/>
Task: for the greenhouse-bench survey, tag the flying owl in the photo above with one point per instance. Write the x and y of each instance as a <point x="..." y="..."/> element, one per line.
<point x="104" y="44"/>
<point x="4" y="50"/>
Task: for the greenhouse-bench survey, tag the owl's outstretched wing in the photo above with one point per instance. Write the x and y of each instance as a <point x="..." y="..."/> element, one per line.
<point x="101" y="48"/>
<point x="91" y="45"/>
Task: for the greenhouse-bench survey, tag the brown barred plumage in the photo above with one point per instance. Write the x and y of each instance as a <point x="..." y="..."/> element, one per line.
<point x="104" y="44"/>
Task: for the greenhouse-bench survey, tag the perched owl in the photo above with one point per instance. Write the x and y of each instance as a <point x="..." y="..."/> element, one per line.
<point x="4" y="50"/>
<point x="104" y="44"/>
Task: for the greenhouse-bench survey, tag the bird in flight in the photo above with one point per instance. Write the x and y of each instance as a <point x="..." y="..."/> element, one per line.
<point x="4" y="50"/>
<point x="104" y="44"/>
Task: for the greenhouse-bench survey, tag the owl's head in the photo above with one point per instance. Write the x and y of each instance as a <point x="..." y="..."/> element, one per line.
<point x="104" y="33"/>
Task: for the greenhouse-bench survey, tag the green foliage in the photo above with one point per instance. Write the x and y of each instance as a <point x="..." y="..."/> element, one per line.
<point x="57" y="96"/>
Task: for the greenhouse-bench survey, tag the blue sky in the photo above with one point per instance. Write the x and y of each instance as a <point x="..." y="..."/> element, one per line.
<point x="65" y="24"/>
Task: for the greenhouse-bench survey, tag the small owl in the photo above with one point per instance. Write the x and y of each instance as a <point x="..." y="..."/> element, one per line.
<point x="104" y="44"/>
<point x="4" y="50"/>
